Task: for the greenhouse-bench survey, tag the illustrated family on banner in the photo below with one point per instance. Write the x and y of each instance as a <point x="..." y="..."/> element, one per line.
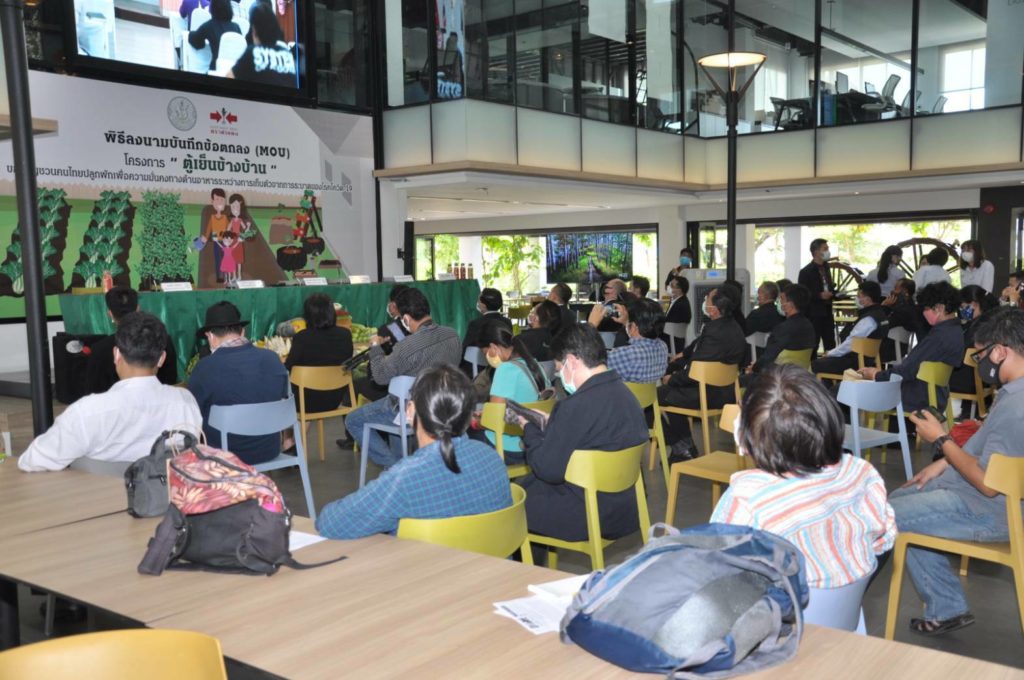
<point x="226" y="226"/>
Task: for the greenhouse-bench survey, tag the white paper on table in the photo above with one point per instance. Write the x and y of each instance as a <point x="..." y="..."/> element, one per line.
<point x="561" y="591"/>
<point x="297" y="540"/>
<point x="536" y="614"/>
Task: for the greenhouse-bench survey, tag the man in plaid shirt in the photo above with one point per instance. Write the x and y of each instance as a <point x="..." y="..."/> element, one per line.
<point x="645" y="358"/>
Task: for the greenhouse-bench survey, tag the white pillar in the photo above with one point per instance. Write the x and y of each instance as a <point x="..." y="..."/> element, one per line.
<point x="796" y="251"/>
<point x="393" y="211"/>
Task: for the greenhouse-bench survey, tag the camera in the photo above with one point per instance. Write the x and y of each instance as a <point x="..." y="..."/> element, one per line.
<point x="610" y="310"/>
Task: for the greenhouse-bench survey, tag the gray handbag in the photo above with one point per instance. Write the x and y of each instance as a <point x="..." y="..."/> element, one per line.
<point x="145" y="480"/>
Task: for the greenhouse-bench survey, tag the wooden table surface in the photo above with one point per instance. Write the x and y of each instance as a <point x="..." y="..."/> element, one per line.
<point x="30" y="501"/>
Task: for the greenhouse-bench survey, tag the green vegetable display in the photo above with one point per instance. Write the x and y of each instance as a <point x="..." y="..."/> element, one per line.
<point x="163" y="241"/>
<point x="53" y="228"/>
<point x="362" y="333"/>
<point x="103" y="247"/>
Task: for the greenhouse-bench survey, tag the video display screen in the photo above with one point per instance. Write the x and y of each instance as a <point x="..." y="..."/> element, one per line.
<point x="256" y="41"/>
<point x="587" y="258"/>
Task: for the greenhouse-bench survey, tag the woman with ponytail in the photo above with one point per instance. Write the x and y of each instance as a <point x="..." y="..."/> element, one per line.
<point x="517" y="376"/>
<point x="888" y="271"/>
<point x="449" y="474"/>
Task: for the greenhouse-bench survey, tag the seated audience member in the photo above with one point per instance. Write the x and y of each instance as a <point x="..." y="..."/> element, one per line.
<point x="766" y="316"/>
<point x="211" y="31"/>
<point x="721" y="339"/>
<point x="517" y="376"/>
<point x="427" y="345"/>
<point x="614" y="291"/>
<point x="795" y="332"/>
<point x="872" y="323"/>
<point x="100" y="372"/>
<point x="1011" y="294"/>
<point x="120" y="425"/>
<point x="640" y="286"/>
<point x="268" y="59"/>
<point x="489" y="305"/>
<point x="975" y="305"/>
<point x="449" y="475"/>
<point x="975" y="270"/>
<point x="679" y="310"/>
<point x="949" y="498"/>
<point x="237" y="372"/>
<point x="543" y="324"/>
<point x="783" y="284"/>
<point x="645" y="358"/>
<point x="186" y="7"/>
<point x="686" y="261"/>
<point x="932" y="270"/>
<point x="737" y="313"/>
<point x="888" y="271"/>
<point x="393" y="331"/>
<point x="599" y="413"/>
<point x="903" y="313"/>
<point x="944" y="343"/>
<point x="322" y="343"/>
<point x="829" y="504"/>
<point x="561" y="295"/>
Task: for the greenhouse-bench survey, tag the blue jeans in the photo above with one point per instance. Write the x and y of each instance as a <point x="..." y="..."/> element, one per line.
<point x="942" y="513"/>
<point x="383" y="452"/>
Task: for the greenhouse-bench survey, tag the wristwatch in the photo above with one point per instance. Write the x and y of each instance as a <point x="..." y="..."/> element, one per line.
<point x="937" y="446"/>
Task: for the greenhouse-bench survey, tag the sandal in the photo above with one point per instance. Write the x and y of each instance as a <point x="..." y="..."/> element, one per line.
<point x="930" y="627"/>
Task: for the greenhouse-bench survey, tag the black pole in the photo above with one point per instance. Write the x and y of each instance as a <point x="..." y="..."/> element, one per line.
<point x="12" y="25"/>
<point x="731" y="114"/>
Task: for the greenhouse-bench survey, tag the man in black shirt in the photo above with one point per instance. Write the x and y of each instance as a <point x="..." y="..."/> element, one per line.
<point x="794" y="333"/>
<point x="269" y="59"/>
<point x="766" y="315"/>
<point x="561" y="295"/>
<point x="818" y="279"/>
<point x="489" y="305"/>
<point x="872" y="323"/>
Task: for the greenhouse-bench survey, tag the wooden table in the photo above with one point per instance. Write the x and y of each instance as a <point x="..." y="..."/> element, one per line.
<point x="30" y="501"/>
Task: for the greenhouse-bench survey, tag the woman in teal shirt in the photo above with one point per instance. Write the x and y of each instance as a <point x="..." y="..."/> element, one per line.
<point x="517" y="376"/>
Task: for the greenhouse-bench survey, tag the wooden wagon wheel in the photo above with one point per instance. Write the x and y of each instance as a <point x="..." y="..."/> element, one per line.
<point x="919" y="247"/>
<point x="845" y="276"/>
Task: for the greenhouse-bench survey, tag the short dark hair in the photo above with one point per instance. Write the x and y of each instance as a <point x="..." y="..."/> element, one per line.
<point x="937" y="256"/>
<point x="686" y="251"/>
<point x="783" y="284"/>
<point x="121" y="300"/>
<point x="141" y="338"/>
<point x="909" y="286"/>
<point x="726" y="300"/>
<point x="562" y="291"/>
<point x="940" y="293"/>
<point x="647" y="315"/>
<point x="683" y="283"/>
<point x="318" y="311"/>
<point x="264" y="23"/>
<point x="1019" y="275"/>
<point x="219" y="192"/>
<point x="1003" y="327"/>
<point x="396" y="290"/>
<point x="789" y="422"/>
<point x="736" y="285"/>
<point x="872" y="290"/>
<point x="444" y="399"/>
<point x="413" y="302"/>
<point x="817" y="243"/>
<point x="986" y="300"/>
<point x="643" y="284"/>
<point x="771" y="288"/>
<point x="582" y="341"/>
<point x="548" y="315"/>
<point x="800" y="296"/>
<point x="221" y="10"/>
<point x="491" y="297"/>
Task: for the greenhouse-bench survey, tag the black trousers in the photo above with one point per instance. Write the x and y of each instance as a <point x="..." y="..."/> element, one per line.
<point x="834" y="364"/>
<point x="824" y="328"/>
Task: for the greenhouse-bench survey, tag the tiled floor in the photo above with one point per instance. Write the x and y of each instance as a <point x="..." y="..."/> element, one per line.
<point x="997" y="635"/>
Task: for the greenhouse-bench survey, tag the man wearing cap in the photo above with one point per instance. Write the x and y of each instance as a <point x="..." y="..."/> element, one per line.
<point x="237" y="372"/>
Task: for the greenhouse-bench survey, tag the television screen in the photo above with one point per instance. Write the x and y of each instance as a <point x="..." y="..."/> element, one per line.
<point x="586" y="258"/>
<point x="255" y="41"/>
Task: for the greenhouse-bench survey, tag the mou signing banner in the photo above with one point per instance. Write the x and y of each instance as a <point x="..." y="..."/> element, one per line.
<point x="156" y="185"/>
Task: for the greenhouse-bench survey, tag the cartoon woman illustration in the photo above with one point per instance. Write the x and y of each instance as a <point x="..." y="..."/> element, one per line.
<point x="229" y="247"/>
<point x="241" y="224"/>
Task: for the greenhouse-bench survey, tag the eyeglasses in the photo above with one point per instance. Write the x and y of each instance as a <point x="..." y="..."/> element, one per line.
<point x="980" y="354"/>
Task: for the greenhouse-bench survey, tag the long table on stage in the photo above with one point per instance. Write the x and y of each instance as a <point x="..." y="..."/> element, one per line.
<point x="452" y="303"/>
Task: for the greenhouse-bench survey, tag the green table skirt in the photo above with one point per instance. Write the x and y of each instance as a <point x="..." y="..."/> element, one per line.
<point x="452" y="303"/>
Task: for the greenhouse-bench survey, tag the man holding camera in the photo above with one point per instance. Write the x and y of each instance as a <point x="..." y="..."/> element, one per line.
<point x="645" y="357"/>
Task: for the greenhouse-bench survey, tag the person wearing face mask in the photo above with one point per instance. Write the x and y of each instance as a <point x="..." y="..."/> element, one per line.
<point x="517" y="376"/>
<point x="888" y="271"/>
<point x="686" y="261"/>
<point x="975" y="270"/>
<point x="804" y="488"/>
<point x="489" y="305"/>
<point x="817" y="278"/>
<point x="449" y="475"/>
<point x="794" y="333"/>
<point x="949" y="498"/>
<point x="542" y="324"/>
<point x="427" y="344"/>
<point x="679" y="310"/>
<point x="599" y="413"/>
<point x="975" y="306"/>
<point x="872" y="323"/>
<point x="766" y="315"/>
<point x="944" y="343"/>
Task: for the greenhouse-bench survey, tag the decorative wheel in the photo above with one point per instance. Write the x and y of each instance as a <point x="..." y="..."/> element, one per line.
<point x="845" y="276"/>
<point x="916" y="248"/>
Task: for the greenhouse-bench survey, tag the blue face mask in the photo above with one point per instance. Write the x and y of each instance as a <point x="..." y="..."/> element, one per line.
<point x="967" y="313"/>
<point x="568" y="386"/>
<point x="685" y="261"/>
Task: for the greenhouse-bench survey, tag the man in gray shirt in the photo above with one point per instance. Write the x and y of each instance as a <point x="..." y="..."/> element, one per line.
<point x="949" y="498"/>
<point x="428" y="344"/>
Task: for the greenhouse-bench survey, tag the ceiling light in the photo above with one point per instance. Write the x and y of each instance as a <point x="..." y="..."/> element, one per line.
<point x="731" y="59"/>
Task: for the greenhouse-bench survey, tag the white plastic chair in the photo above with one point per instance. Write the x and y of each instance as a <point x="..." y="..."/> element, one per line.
<point x="198" y="17"/>
<point x="549" y="369"/>
<point x="757" y="341"/>
<point x="901" y="336"/>
<point x="874" y="397"/>
<point x="232" y="46"/>
<point x="475" y="357"/>
<point x="193" y="60"/>
<point x="271" y="417"/>
<point x="609" y="339"/>
<point x="399" y="388"/>
<point x="673" y="331"/>
<point x="838" y="607"/>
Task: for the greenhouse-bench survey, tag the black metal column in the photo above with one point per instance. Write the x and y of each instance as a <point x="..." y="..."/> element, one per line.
<point x="16" y="61"/>
<point x="731" y="114"/>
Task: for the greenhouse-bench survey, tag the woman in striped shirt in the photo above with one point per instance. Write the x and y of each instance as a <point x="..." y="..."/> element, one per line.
<point x="831" y="505"/>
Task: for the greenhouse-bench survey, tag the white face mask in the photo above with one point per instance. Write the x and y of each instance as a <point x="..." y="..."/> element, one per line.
<point x="826" y="255"/>
<point x="967" y="256"/>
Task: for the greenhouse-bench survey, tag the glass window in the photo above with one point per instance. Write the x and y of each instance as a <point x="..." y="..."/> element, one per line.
<point x="342" y="52"/>
<point x="489" y="49"/>
<point x="424" y="258"/>
<point x="546" y="32"/>
<point x="658" y="78"/>
<point x="406" y="51"/>
<point x="705" y="31"/>
<point x="865" y="61"/>
<point x="605" y="48"/>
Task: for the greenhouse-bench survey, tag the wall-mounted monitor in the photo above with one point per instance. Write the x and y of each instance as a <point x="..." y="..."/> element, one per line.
<point x="258" y="43"/>
<point x="589" y="257"/>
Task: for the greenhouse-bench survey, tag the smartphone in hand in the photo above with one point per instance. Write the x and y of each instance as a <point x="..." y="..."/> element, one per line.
<point x="939" y="416"/>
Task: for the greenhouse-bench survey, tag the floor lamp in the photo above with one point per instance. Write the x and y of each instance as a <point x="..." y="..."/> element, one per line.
<point x="733" y="61"/>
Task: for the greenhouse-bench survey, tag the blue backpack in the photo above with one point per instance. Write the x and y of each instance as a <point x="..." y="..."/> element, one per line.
<point x="710" y="601"/>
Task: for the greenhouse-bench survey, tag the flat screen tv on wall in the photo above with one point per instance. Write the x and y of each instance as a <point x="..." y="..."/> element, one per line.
<point x="257" y="43"/>
<point x="587" y="258"/>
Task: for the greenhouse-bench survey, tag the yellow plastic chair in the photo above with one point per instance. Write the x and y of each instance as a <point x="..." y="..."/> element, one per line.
<point x="1005" y="475"/>
<point x="981" y="391"/>
<point x="864" y="348"/>
<point x="647" y="395"/>
<point x="321" y="378"/>
<point x="600" y="472"/>
<point x="937" y="374"/>
<point x="493" y="419"/>
<point x="518" y="315"/>
<point x="707" y="374"/>
<point x="797" y="357"/>
<point x="119" y="655"/>
<point x="717" y="467"/>
<point x="499" y="533"/>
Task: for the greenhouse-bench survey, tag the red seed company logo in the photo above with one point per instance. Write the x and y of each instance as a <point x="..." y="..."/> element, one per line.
<point x="223" y="123"/>
<point x="224" y="117"/>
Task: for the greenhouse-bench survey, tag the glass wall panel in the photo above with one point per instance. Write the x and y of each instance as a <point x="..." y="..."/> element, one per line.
<point x="705" y="31"/>
<point x="968" y="58"/>
<point x="547" y="33"/>
<point x="490" y="47"/>
<point x="605" y="61"/>
<point x="658" y="58"/>
<point x="865" y="60"/>
<point x="343" y="52"/>
<point x="406" y="51"/>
